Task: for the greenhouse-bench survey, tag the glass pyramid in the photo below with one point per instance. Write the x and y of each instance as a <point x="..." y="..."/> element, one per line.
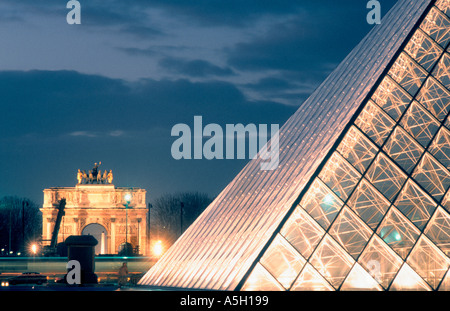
<point x="361" y="199"/>
<point x="376" y="216"/>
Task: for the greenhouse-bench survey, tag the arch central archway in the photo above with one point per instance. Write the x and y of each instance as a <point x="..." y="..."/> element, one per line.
<point x="100" y="234"/>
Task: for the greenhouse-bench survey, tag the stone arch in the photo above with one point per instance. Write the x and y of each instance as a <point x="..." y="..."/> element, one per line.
<point x="100" y="233"/>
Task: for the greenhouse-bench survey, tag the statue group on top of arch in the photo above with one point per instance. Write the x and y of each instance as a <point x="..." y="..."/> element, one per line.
<point x="95" y="176"/>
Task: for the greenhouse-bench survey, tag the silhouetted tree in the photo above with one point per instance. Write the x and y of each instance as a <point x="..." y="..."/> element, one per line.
<point x="20" y="223"/>
<point x="166" y="218"/>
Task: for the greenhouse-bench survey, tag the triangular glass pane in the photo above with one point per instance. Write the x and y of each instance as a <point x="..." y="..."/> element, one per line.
<point x="351" y="232"/>
<point x="428" y="261"/>
<point x="435" y="98"/>
<point x="332" y="262"/>
<point x="311" y="280"/>
<point x="340" y="176"/>
<point x="398" y="232"/>
<point x="438" y="230"/>
<point x="375" y="123"/>
<point x="447" y="123"/>
<point x="408" y="280"/>
<point x="386" y="176"/>
<point x="380" y="261"/>
<point x="432" y="176"/>
<point x="415" y="204"/>
<point x="359" y="280"/>
<point x="282" y="261"/>
<point x="391" y="97"/>
<point x="357" y="149"/>
<point x="261" y="280"/>
<point x="423" y="49"/>
<point x="446" y="201"/>
<point x="418" y="122"/>
<point x="303" y="232"/>
<point x="440" y="147"/>
<point x="321" y="203"/>
<point x="408" y="73"/>
<point x="437" y="26"/>
<point x="368" y="203"/>
<point x="403" y="149"/>
<point x="445" y="284"/>
<point x="442" y="71"/>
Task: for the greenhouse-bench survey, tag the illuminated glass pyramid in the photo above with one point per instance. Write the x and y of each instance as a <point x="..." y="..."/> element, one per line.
<point x="361" y="198"/>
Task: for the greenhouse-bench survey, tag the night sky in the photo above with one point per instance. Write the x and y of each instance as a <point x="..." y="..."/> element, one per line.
<point x="112" y="88"/>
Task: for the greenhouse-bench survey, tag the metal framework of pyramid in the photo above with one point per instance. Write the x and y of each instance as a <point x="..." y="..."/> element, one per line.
<point x="360" y="200"/>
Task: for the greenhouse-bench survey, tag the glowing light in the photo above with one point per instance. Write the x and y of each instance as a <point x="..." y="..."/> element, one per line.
<point x="328" y="199"/>
<point x="34" y="248"/>
<point x="127" y="197"/>
<point x="158" y="248"/>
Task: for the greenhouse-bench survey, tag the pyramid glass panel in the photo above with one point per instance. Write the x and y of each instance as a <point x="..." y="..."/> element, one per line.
<point x="375" y="123"/>
<point x="311" y="280"/>
<point x="303" y="232"/>
<point x="429" y="262"/>
<point x="408" y="73"/>
<point x="261" y="280"/>
<point x="415" y="204"/>
<point x="283" y="261"/>
<point x="386" y="176"/>
<point x="398" y="232"/>
<point x="380" y="261"/>
<point x="392" y="97"/>
<point x="423" y="49"/>
<point x="351" y="232"/>
<point x="440" y="147"/>
<point x="435" y="97"/>
<point x="432" y="176"/>
<point x="368" y="203"/>
<point x="437" y="26"/>
<point x="360" y="280"/>
<point x="357" y="149"/>
<point x="403" y="149"/>
<point x="418" y="122"/>
<point x="340" y="176"/>
<point x="321" y="203"/>
<point x="438" y="230"/>
<point x="442" y="71"/>
<point x="408" y="280"/>
<point x="332" y="262"/>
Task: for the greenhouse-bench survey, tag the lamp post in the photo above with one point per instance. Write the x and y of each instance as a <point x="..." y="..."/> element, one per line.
<point x="127" y="198"/>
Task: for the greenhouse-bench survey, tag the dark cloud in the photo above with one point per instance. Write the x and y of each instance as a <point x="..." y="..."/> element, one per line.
<point x="317" y="38"/>
<point x="271" y="84"/>
<point x="225" y="13"/>
<point x="194" y="68"/>
<point x="70" y="102"/>
<point x="117" y="16"/>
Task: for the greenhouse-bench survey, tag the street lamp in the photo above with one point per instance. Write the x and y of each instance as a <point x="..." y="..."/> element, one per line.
<point x="127" y="197"/>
